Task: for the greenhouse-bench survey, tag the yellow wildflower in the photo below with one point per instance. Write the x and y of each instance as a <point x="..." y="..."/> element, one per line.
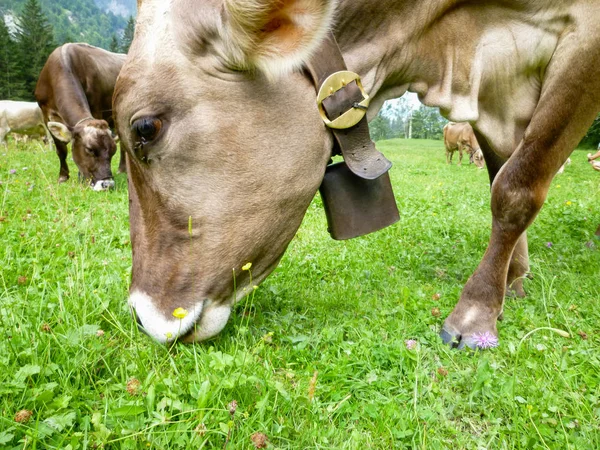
<point x="180" y="313"/>
<point x="568" y="203"/>
<point x="247" y="266"/>
<point x="169" y="335"/>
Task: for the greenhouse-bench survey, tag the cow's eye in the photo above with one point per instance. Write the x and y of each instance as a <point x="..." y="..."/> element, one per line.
<point x="146" y="129"/>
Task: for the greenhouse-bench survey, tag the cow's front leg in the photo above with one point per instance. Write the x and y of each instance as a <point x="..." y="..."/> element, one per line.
<point x="518" y="268"/>
<point x="3" y="133"/>
<point x="566" y="109"/>
<point x="460" y="156"/>
<point x="515" y="203"/>
<point x="61" y="151"/>
<point x="448" y="157"/>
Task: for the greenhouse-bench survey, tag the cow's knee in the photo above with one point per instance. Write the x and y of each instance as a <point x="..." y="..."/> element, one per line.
<point x="514" y="203"/>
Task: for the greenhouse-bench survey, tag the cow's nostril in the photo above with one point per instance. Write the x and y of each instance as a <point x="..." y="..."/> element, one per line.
<point x="108" y="184"/>
<point x="103" y="185"/>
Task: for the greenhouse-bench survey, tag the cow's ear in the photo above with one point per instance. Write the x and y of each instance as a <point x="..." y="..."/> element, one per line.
<point x="275" y="36"/>
<point x="60" y="131"/>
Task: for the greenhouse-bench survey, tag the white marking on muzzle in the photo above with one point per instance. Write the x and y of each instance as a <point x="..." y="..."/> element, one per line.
<point x="213" y="320"/>
<point x="163" y="329"/>
<point x="103" y="185"/>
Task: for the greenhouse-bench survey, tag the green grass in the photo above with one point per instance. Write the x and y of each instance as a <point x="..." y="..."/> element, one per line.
<point x="340" y="310"/>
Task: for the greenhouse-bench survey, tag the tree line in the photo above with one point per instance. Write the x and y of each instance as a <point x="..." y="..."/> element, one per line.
<point x="24" y="52"/>
<point x="398" y="120"/>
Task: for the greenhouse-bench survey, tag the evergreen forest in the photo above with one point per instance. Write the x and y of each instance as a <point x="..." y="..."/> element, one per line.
<point x="36" y="27"/>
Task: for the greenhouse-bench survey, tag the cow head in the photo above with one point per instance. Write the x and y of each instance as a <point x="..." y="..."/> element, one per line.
<point x="92" y="146"/>
<point x="225" y="151"/>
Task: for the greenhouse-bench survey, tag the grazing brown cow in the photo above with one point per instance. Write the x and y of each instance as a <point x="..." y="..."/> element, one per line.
<point x="460" y="137"/>
<point x="75" y="91"/>
<point x="22" y="119"/>
<point x="226" y="146"/>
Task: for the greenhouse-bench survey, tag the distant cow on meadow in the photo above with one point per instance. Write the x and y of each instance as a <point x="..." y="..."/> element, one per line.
<point x="592" y="160"/>
<point x="22" y="118"/>
<point x="460" y="137"/>
<point x="75" y="91"/>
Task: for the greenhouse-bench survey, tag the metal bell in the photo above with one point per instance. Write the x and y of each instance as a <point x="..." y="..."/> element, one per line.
<point x="355" y="206"/>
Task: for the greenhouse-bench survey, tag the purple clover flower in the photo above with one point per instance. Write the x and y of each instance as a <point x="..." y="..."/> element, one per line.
<point x="549" y="244"/>
<point x="411" y="344"/>
<point x="485" y="340"/>
<point x="12" y="171"/>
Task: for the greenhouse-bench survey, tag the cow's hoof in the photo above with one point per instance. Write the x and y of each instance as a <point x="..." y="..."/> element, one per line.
<point x="451" y="338"/>
<point x="515" y="290"/>
<point x="474" y="341"/>
<point x="63" y="178"/>
<point x="455" y="340"/>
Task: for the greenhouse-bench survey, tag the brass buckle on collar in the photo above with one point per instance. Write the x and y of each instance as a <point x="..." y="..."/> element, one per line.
<point x="333" y="83"/>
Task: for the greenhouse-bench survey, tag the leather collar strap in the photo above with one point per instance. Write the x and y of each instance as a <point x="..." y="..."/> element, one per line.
<point x="359" y="152"/>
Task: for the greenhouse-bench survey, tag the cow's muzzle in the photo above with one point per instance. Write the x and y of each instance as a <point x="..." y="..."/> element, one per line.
<point x="103" y="185"/>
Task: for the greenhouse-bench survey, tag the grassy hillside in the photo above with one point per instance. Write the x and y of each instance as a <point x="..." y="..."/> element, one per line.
<point x="317" y="357"/>
<point x="74" y="20"/>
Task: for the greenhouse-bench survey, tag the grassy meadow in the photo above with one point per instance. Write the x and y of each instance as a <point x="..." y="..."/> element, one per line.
<point x="316" y="357"/>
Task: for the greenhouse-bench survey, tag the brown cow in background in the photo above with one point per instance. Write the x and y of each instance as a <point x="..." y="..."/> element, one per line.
<point x="460" y="137"/>
<point x="75" y="91"/>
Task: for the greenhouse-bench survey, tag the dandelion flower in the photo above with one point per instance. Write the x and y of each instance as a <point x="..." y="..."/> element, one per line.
<point x="180" y="313"/>
<point x="568" y="203"/>
<point x="485" y="340"/>
<point x="247" y="266"/>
